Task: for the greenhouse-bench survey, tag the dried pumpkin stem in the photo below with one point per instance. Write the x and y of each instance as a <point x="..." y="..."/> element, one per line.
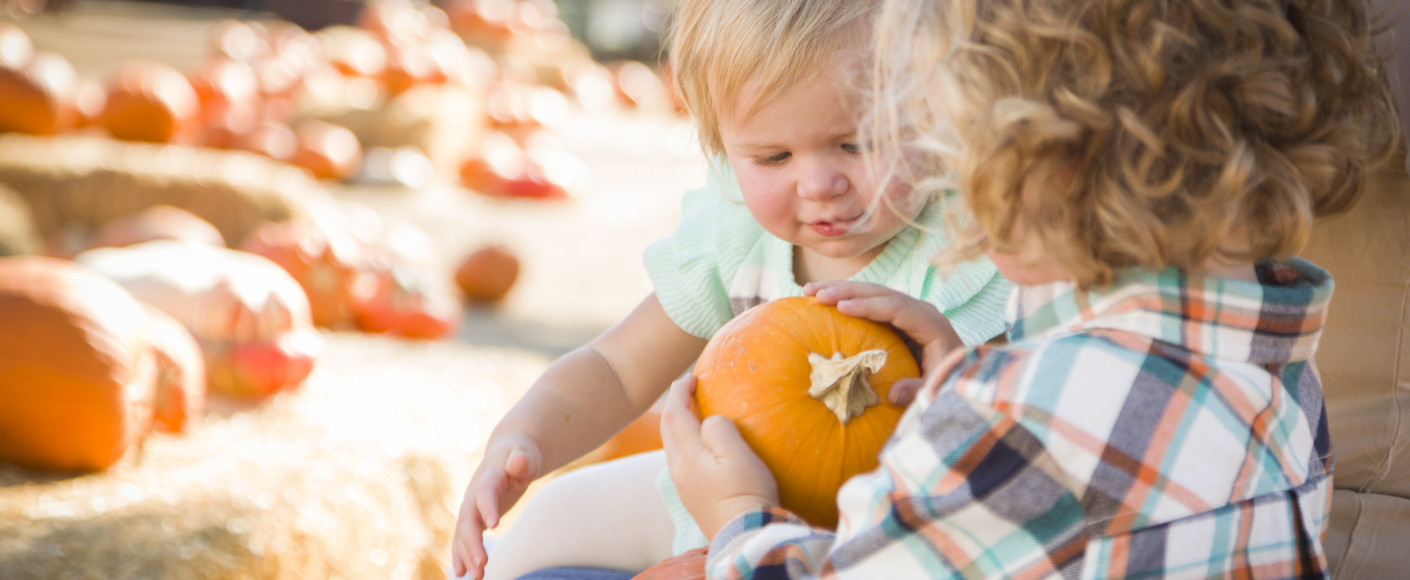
<point x="841" y="382"/>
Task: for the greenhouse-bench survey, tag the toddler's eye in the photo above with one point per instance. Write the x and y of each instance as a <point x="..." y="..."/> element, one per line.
<point x="854" y="148"/>
<point x="774" y="159"/>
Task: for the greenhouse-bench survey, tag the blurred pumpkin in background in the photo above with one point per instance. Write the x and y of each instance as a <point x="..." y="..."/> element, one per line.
<point x="242" y="40"/>
<point x="230" y="101"/>
<point x="327" y="266"/>
<point x="76" y="374"/>
<point x="181" y="379"/>
<point x="151" y="101"/>
<point x="352" y="51"/>
<point x="36" y="97"/>
<point x="487" y="274"/>
<point x="89" y="100"/>
<point x="411" y="297"/>
<point x="411" y="65"/>
<point x="486" y="24"/>
<point x="250" y="317"/>
<point x="411" y="305"/>
<point x="394" y="22"/>
<point x="273" y="139"/>
<point x="330" y="152"/>
<point x="503" y="168"/>
<point x="158" y="222"/>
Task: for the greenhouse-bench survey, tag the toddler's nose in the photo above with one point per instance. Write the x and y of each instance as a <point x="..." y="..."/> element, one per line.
<point x="822" y="182"/>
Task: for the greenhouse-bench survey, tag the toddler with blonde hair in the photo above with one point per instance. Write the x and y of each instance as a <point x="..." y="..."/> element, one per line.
<point x="1146" y="173"/>
<point x="791" y="200"/>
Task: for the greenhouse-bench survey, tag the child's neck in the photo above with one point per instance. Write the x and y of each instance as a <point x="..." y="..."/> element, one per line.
<point x="810" y="266"/>
<point x="1233" y="270"/>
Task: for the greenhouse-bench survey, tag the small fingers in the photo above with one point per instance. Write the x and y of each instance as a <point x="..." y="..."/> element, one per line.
<point x="468" y="549"/>
<point x="721" y="436"/>
<point x="487" y="502"/>
<point x="521" y="464"/>
<point x="833" y="291"/>
<point x="903" y="392"/>
<point x="680" y="427"/>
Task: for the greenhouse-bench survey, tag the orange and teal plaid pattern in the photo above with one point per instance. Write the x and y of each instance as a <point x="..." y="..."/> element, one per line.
<point x="1169" y="426"/>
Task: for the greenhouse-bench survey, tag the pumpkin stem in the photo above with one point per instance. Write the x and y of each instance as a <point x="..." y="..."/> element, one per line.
<point x="841" y="382"/>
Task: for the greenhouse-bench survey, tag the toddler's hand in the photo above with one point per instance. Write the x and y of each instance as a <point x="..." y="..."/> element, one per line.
<point x="718" y="475"/>
<point x="919" y="321"/>
<point x="510" y="464"/>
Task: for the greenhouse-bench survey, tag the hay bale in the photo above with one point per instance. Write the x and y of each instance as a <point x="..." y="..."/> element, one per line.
<point x="78" y="181"/>
<point x="17" y="237"/>
<point x="357" y="475"/>
<point x="444" y="122"/>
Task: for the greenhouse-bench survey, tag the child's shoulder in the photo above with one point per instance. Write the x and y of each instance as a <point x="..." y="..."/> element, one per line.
<point x="1050" y="366"/>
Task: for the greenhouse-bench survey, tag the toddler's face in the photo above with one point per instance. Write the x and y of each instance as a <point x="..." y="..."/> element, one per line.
<point x="801" y="172"/>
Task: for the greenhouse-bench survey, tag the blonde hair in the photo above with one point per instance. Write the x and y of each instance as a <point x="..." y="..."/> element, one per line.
<point x="719" y="46"/>
<point x="1175" y="126"/>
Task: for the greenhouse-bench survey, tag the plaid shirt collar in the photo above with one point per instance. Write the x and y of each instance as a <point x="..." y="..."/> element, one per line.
<point x="1274" y="321"/>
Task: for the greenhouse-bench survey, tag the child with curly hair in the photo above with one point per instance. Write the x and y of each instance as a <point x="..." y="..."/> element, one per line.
<point x="1145" y="172"/>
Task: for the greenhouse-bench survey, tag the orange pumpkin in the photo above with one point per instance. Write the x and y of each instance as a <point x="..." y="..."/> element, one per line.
<point x="158" y="222"/>
<point x="328" y="151"/>
<point x="151" y="101"/>
<point x="807" y="387"/>
<point x="181" y="372"/>
<point x="410" y="305"/>
<point x="242" y="40"/>
<point x="76" y="375"/>
<point x="37" y="98"/>
<point x="250" y="317"/>
<point x="325" y="265"/>
<point x="487" y="274"/>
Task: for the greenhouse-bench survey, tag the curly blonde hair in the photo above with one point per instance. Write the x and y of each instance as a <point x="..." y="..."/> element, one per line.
<point x="719" y="46"/>
<point x="1161" y="130"/>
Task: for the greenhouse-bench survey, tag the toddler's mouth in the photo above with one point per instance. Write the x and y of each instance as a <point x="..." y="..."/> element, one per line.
<point x="834" y="227"/>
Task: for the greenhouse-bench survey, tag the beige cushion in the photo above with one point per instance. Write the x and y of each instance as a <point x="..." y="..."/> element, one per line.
<point x="1364" y="358"/>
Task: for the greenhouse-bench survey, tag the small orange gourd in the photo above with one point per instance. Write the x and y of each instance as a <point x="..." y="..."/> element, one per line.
<point x="806" y="385"/>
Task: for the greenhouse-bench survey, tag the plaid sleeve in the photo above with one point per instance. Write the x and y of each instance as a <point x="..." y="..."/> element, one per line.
<point x="767" y="543"/>
<point x="959" y="493"/>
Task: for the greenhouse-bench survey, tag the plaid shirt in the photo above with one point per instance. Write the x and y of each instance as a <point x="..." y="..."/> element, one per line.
<point x="1171" y="425"/>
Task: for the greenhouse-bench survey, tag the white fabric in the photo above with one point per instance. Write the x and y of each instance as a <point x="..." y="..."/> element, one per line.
<point x="608" y="515"/>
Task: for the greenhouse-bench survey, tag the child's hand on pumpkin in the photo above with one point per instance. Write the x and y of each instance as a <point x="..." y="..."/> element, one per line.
<point x="719" y="476"/>
<point x="919" y="322"/>
<point x="511" y="463"/>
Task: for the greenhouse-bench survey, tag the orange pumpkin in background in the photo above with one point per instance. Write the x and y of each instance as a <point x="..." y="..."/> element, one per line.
<point x="37" y="97"/>
<point x="158" y="222"/>
<point x="249" y="316"/>
<point x="181" y="372"/>
<point x="242" y="40"/>
<point x="151" y="101"/>
<point x="272" y="139"/>
<point x="330" y="152"/>
<point x="807" y="387"/>
<point x="326" y="266"/>
<point x="224" y="80"/>
<point x="487" y="274"/>
<point x="76" y="375"/>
